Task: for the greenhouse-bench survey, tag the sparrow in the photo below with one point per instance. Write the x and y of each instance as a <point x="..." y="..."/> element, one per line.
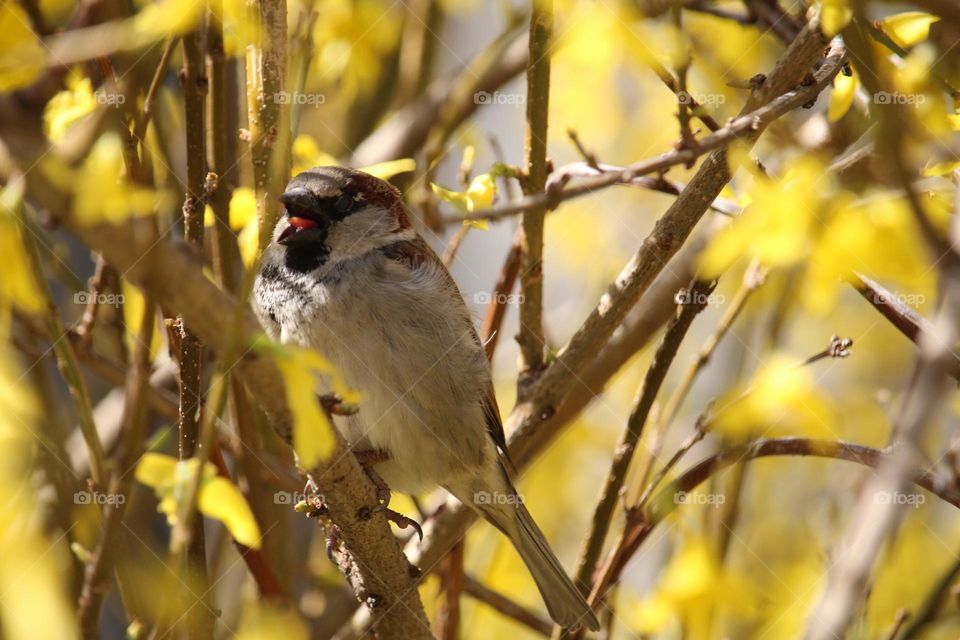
<point x="348" y="276"/>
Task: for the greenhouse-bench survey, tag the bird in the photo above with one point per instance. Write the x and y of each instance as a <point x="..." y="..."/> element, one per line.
<point x="348" y="276"/>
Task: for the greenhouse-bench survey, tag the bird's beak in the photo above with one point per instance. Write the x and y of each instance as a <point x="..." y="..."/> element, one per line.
<point x="306" y="224"/>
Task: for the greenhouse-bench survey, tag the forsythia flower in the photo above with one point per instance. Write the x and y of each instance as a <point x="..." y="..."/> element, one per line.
<point x="782" y="399"/>
<point x="313" y="435"/>
<point x="479" y="195"/>
<point x="18" y="287"/>
<point x="876" y="236"/>
<point x="243" y="219"/>
<point x="21" y="54"/>
<point x="103" y="194"/>
<point x="908" y="28"/>
<point x="778" y="225"/>
<point x="218" y="498"/>
<point x="834" y="16"/>
<point x="68" y="106"/>
<point x="689" y="588"/>
<point x="844" y="90"/>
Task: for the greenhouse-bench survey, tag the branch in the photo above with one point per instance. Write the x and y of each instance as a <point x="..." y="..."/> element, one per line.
<point x="646" y="396"/>
<point x="188" y="535"/>
<point x="902" y="316"/>
<point x="266" y="65"/>
<point x="530" y="336"/>
<point x="640" y="524"/>
<point x="746" y="128"/>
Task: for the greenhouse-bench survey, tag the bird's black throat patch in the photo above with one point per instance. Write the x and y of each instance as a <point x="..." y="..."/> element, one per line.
<point x="306" y="258"/>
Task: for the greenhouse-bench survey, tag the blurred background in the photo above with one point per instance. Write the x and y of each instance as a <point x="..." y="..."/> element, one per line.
<point x="440" y="85"/>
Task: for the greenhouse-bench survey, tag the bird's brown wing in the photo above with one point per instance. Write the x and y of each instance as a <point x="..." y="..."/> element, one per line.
<point x="416" y="253"/>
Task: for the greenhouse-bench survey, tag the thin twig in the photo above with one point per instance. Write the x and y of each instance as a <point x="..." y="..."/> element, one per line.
<point x="691" y="305"/>
<point x="140" y="127"/>
<point x="96" y="581"/>
<point x="530" y="335"/>
<point x="452" y="583"/>
<point x="497" y="307"/>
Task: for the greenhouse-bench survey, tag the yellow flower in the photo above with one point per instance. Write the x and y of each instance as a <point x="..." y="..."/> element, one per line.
<point x="908" y="28"/>
<point x="18" y="287"/>
<point x="876" y="236"/>
<point x="479" y="195"/>
<point x="262" y="620"/>
<point x="307" y="154"/>
<point x="351" y="43"/>
<point x="834" y="16"/>
<point x="168" y="18"/>
<point x="782" y="400"/>
<point x="21" y="55"/>
<point x="68" y="106"/>
<point x="218" y="498"/>
<point x="313" y="435"/>
<point x="691" y="586"/>
<point x="390" y="168"/>
<point x="844" y="90"/>
<point x="103" y="193"/>
<point x="778" y="225"/>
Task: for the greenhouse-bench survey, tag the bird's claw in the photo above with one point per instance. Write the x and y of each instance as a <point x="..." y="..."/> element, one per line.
<point x="403" y="522"/>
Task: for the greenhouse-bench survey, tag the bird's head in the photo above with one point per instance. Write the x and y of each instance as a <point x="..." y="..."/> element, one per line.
<point x="333" y="214"/>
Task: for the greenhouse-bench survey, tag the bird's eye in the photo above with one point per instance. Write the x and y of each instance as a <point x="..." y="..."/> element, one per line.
<point x="344" y="203"/>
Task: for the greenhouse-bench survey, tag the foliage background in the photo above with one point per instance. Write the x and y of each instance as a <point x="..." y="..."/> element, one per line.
<point x="754" y="566"/>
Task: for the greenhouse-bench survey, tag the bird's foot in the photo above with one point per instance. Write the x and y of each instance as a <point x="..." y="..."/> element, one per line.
<point x="334" y="405"/>
<point x="367" y="459"/>
<point x="403" y="522"/>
